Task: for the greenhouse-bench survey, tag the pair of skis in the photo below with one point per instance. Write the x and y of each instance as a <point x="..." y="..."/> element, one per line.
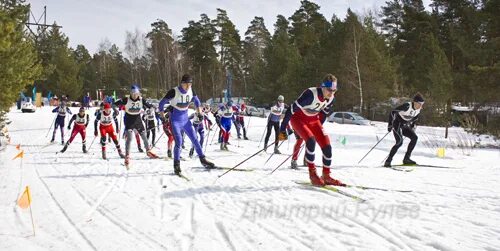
<point x="410" y="167"/>
<point x="344" y="193"/>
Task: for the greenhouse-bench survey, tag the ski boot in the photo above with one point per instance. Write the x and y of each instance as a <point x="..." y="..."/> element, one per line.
<point x="103" y="153"/>
<point x="328" y="179"/>
<point x="294" y="165"/>
<point x="207" y="164"/>
<point x="140" y="149"/>
<point x="315" y="179"/>
<point x="265" y="147"/>
<point x="151" y="155"/>
<point x="239" y="136"/>
<point x="191" y="152"/>
<point x="387" y="163"/>
<point x="225" y="146"/>
<point x="84" y="148"/>
<point x="62" y="142"/>
<point x="222" y="146"/>
<point x="177" y="167"/>
<point x="65" y="147"/>
<point x="276" y="151"/>
<point x="120" y="153"/>
<point x="169" y="153"/>
<point x="52" y="140"/>
<point x="408" y="161"/>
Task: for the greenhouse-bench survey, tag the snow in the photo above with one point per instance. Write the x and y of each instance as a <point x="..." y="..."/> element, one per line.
<point x="81" y="202"/>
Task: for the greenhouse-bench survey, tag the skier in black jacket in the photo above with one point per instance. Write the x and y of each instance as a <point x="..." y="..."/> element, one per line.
<point x="402" y="123"/>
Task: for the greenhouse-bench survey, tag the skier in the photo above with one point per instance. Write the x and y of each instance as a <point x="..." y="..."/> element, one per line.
<point x="149" y="119"/>
<point x="273" y="121"/>
<point x="402" y="123"/>
<point x="197" y="121"/>
<point x="225" y="113"/>
<point x="179" y="98"/>
<point x="306" y="119"/>
<point x="105" y="119"/>
<point x="61" y="110"/>
<point x="239" y="112"/>
<point x="206" y="110"/>
<point x="133" y="107"/>
<point x="81" y="122"/>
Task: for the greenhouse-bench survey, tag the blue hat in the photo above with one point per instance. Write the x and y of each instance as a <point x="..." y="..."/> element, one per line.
<point x="134" y="89"/>
<point x="329" y="84"/>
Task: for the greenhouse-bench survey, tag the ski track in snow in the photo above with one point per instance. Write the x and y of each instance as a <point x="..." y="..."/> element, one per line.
<point x="83" y="202"/>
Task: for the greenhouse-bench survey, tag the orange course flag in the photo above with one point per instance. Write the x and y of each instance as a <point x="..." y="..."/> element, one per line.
<point x="25" y="200"/>
<point x="19" y="155"/>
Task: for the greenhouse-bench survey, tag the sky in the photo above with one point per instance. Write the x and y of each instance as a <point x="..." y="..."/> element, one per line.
<point x="90" y="22"/>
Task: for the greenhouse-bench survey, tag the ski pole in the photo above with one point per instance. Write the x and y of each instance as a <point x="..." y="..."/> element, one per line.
<point x="262" y="137"/>
<point x="208" y="136"/>
<point x="121" y="120"/>
<point x="213" y="136"/>
<point x="53" y="122"/>
<point x="159" y="138"/>
<point x="287" y="158"/>
<point x="253" y="155"/>
<point x="273" y="152"/>
<point x="91" y="143"/>
<point x="373" y="147"/>
<point x="248" y="124"/>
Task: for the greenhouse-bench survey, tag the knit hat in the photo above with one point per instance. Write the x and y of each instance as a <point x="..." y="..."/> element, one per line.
<point x="418" y="98"/>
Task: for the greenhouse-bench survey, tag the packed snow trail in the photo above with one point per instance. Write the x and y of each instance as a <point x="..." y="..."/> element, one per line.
<point x="81" y="202"/>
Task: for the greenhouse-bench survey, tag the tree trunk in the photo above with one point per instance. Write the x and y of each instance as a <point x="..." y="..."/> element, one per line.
<point x="356" y="56"/>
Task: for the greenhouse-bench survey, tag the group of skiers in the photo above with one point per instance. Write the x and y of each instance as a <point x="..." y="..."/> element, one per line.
<point x="304" y="118"/>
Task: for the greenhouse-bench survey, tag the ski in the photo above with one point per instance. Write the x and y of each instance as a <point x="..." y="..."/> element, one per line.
<point x="180" y="175"/>
<point x="126" y="166"/>
<point x="47" y="145"/>
<point x="425" y="165"/>
<point x="377" y="188"/>
<point x="401" y="169"/>
<point x="227" y="168"/>
<point x="332" y="189"/>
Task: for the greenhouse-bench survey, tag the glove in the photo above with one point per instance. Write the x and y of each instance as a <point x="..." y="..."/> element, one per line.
<point x="69" y="127"/>
<point x="200" y="117"/>
<point x="95" y="133"/>
<point x="282" y="136"/>
<point x="389" y="128"/>
<point x="289" y="131"/>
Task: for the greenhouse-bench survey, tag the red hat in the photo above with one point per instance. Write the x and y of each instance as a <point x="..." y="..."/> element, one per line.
<point x="107" y="106"/>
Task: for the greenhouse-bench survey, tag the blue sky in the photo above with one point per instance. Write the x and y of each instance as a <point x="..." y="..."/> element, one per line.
<point x="90" y="22"/>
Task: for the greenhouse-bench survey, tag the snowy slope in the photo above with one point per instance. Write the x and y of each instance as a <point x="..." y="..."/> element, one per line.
<point x="81" y="202"/>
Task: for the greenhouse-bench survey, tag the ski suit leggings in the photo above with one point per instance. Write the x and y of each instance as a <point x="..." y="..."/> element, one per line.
<point x="77" y="129"/>
<point x="312" y="131"/>
<point x="225" y="128"/>
<point x="398" y="135"/>
<point x="276" y="125"/>
<point x="178" y="126"/>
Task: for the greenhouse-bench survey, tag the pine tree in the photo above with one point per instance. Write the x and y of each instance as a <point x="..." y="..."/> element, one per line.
<point x="257" y="39"/>
<point x="198" y="40"/>
<point x="18" y="60"/>
<point x="229" y="41"/>
<point x="283" y="68"/>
